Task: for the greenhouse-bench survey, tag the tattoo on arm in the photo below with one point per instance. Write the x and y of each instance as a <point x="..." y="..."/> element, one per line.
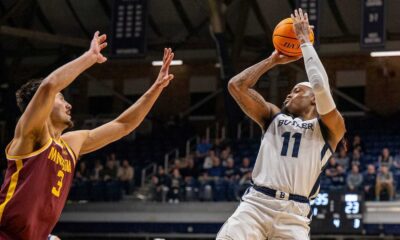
<point x="251" y="75"/>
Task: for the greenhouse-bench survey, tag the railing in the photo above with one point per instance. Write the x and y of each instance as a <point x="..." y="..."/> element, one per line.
<point x="174" y="153"/>
<point x="151" y="169"/>
<point x="215" y="132"/>
<point x="148" y="172"/>
<point x="245" y="126"/>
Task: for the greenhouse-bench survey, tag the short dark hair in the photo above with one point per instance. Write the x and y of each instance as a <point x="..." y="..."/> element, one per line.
<point x="26" y="92"/>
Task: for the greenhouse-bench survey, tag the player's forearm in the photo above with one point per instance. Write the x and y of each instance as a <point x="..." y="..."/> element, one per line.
<point x="249" y="77"/>
<point x="135" y="114"/>
<point x="318" y="78"/>
<point x="66" y="74"/>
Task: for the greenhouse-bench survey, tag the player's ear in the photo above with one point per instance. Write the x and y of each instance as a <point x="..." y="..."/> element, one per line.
<point x="313" y="99"/>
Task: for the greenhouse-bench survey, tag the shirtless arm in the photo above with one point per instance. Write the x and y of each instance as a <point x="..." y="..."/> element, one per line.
<point x="241" y="87"/>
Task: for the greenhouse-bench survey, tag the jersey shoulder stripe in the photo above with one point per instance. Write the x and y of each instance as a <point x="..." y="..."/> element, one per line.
<point x="28" y="155"/>
<point x="12" y="186"/>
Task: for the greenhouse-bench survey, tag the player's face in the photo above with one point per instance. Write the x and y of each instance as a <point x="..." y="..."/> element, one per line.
<point x="299" y="100"/>
<point x="61" y="113"/>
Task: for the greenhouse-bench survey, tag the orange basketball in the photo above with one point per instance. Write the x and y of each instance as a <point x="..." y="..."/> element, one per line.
<point x="285" y="40"/>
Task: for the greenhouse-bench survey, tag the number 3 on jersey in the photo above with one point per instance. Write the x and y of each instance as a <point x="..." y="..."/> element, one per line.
<point x="296" y="145"/>
<point x="56" y="190"/>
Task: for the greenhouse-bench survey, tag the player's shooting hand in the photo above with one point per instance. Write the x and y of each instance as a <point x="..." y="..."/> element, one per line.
<point x="97" y="45"/>
<point x="301" y="25"/>
<point x="164" y="77"/>
<point x="279" y="58"/>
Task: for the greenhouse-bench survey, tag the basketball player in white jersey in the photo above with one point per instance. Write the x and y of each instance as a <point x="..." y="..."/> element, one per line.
<point x="296" y="144"/>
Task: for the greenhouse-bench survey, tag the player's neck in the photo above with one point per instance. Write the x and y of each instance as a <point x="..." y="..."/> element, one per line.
<point x="55" y="130"/>
<point x="308" y="114"/>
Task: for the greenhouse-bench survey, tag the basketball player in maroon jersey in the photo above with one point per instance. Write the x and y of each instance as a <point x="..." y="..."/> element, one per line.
<point x="41" y="159"/>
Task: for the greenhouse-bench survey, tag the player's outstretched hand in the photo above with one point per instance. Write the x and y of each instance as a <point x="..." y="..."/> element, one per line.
<point x="279" y="58"/>
<point x="97" y="45"/>
<point x="164" y="77"/>
<point x="301" y="25"/>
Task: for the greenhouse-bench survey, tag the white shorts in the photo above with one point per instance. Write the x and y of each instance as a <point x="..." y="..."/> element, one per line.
<point x="260" y="217"/>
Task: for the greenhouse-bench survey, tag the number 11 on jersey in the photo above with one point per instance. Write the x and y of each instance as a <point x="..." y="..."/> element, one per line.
<point x="286" y="139"/>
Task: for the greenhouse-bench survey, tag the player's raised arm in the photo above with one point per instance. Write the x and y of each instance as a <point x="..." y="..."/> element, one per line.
<point x="86" y="141"/>
<point x="39" y="108"/>
<point x="318" y="78"/>
<point x="249" y="100"/>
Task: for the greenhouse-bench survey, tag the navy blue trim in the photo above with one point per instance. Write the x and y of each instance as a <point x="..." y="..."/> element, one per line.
<point x="324" y="131"/>
<point x="272" y="193"/>
<point x="317" y="182"/>
<point x="268" y="123"/>
<point x="324" y="150"/>
<point x="245" y="193"/>
<point x="309" y="215"/>
<point x="316" y="186"/>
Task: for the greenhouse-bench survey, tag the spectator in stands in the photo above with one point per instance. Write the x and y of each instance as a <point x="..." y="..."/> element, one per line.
<point x="203" y="148"/>
<point x="231" y="172"/>
<point x="354" y="179"/>
<point x="385" y="159"/>
<point x="110" y="171"/>
<point x="384" y="181"/>
<point x="96" y="173"/>
<point x="82" y="172"/>
<point x="177" y="164"/>
<point x="357" y="144"/>
<point x="356" y="158"/>
<point x="244" y="183"/>
<point x="208" y="161"/>
<point x="342" y="158"/>
<point x="155" y="189"/>
<point x="369" y="182"/>
<point x="245" y="168"/>
<point x="190" y="173"/>
<point x="189" y="170"/>
<point x="331" y="168"/>
<point x="112" y="157"/>
<point x="163" y="178"/>
<point x="163" y="184"/>
<point x="125" y="175"/>
<point x="216" y="171"/>
<point x="231" y="176"/>
<point x="206" y="184"/>
<point x="225" y="155"/>
<point x="339" y="179"/>
<point x="176" y="186"/>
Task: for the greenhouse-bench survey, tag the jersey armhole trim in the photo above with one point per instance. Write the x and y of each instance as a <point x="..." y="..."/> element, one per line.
<point x="268" y="123"/>
<point x="35" y="153"/>
<point x="70" y="151"/>
<point x="324" y="133"/>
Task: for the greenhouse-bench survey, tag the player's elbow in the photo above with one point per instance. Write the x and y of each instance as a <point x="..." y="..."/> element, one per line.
<point x="126" y="129"/>
<point x="233" y="86"/>
<point x="48" y="85"/>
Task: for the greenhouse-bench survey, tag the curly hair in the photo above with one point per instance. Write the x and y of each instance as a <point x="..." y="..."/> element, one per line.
<point x="26" y="92"/>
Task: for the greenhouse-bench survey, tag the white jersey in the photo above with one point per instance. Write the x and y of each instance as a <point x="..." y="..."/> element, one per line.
<point x="292" y="156"/>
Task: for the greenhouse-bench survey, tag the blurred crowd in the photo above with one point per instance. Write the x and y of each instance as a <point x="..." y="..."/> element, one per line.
<point x="103" y="182"/>
<point x="210" y="174"/>
<point x="214" y="173"/>
<point x="353" y="170"/>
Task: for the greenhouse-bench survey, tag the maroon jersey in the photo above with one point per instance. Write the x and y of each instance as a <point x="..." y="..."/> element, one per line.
<point x="34" y="191"/>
